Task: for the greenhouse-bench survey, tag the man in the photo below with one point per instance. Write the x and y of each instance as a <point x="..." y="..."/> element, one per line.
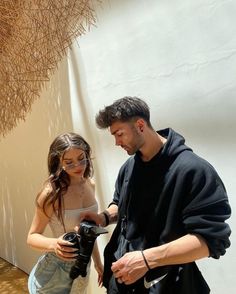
<point x="169" y="204"/>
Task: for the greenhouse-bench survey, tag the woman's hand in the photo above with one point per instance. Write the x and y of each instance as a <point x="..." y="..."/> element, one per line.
<point x="99" y="269"/>
<point x="64" y="249"/>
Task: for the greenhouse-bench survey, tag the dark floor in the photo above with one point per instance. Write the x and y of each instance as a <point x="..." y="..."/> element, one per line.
<point x="12" y="279"/>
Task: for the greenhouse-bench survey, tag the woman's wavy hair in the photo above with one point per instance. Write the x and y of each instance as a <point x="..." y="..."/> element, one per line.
<point x="58" y="178"/>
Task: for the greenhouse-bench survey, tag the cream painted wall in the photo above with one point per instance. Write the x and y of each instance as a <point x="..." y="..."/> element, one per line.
<point x="181" y="57"/>
<point x="23" y="169"/>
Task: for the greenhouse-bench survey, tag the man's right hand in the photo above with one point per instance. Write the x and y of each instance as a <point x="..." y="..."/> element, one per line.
<point x="99" y="219"/>
<point x="109" y="216"/>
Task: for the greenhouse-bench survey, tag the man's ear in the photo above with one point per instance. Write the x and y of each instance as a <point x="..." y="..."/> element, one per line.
<point x="140" y="124"/>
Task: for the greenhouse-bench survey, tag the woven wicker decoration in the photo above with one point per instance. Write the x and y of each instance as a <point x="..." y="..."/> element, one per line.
<point x="34" y="36"/>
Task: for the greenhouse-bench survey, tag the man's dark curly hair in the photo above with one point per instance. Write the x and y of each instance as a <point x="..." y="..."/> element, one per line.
<point x="124" y="109"/>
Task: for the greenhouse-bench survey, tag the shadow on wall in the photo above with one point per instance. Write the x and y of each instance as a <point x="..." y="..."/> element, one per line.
<point x="23" y="166"/>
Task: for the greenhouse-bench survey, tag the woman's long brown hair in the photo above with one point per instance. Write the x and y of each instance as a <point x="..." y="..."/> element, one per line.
<point x="58" y="178"/>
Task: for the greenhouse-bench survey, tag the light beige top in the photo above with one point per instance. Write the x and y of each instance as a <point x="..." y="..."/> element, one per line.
<point x="71" y="219"/>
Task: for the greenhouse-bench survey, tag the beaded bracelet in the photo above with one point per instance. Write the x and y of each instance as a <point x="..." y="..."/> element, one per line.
<point x="107" y="221"/>
<point x="145" y="260"/>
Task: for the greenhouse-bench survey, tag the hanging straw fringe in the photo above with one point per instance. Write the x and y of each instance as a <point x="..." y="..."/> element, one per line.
<point x="34" y="37"/>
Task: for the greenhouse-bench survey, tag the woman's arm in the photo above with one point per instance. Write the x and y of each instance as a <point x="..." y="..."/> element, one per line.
<point x="35" y="236"/>
<point x="97" y="263"/>
<point x="38" y="241"/>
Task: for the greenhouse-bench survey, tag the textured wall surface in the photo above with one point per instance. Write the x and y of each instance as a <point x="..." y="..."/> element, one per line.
<point x="181" y="57"/>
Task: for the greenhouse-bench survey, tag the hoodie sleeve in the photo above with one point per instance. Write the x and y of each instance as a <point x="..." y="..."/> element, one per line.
<point x="207" y="208"/>
<point x="119" y="183"/>
<point x="123" y="181"/>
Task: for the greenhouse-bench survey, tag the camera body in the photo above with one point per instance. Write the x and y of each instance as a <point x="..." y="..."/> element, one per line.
<point x="84" y="242"/>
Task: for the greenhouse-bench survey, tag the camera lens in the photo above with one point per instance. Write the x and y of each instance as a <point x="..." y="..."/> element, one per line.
<point x="70" y="237"/>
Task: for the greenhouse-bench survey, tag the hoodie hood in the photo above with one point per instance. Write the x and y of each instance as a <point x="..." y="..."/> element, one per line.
<point x="174" y="145"/>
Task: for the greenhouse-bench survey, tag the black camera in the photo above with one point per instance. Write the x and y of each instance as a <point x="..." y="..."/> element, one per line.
<point x="84" y="242"/>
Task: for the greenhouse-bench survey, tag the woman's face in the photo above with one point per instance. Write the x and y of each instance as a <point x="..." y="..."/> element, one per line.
<point x="74" y="162"/>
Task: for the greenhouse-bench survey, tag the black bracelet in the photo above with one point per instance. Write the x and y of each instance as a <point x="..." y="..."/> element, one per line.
<point x="145" y="260"/>
<point x="107" y="221"/>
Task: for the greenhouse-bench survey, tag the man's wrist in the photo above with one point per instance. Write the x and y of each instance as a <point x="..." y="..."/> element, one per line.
<point x="106" y="218"/>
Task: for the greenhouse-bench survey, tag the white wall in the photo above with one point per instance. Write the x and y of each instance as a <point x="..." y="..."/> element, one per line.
<point x="180" y="56"/>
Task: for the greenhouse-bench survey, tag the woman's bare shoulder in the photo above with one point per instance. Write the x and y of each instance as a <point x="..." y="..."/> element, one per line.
<point x="91" y="183"/>
<point x="44" y="193"/>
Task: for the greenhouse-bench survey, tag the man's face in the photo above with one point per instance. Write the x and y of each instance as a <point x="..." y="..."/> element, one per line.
<point x="127" y="135"/>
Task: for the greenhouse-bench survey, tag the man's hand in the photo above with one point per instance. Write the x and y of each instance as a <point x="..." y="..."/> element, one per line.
<point x="129" y="268"/>
<point x="109" y="216"/>
<point x="92" y="216"/>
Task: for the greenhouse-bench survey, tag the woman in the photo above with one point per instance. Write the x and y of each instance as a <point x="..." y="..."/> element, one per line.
<point x="67" y="192"/>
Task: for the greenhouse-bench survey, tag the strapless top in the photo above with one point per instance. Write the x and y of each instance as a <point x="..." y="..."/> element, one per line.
<point x="71" y="219"/>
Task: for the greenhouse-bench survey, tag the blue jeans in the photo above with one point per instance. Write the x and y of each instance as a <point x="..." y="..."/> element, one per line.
<point x="50" y="275"/>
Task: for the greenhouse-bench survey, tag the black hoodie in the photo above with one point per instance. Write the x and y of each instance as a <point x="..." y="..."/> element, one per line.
<point x="174" y="194"/>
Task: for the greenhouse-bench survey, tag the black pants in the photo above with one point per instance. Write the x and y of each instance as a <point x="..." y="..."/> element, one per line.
<point x="137" y="288"/>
